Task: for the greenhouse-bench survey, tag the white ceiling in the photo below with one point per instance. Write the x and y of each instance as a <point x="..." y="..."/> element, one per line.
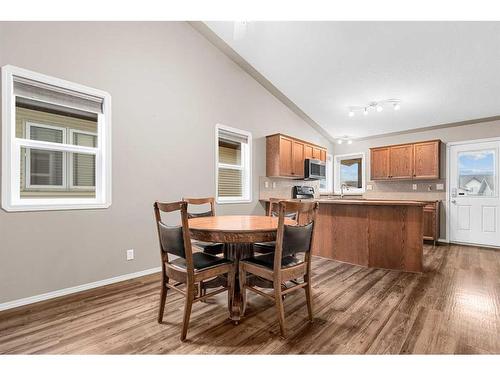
<point x="443" y="72"/>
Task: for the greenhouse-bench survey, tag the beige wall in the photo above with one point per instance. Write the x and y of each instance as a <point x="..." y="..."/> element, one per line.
<point x="403" y="189"/>
<point x="169" y="88"/>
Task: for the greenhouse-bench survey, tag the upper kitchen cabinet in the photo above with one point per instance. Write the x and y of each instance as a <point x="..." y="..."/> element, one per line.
<point x="401" y="162"/>
<point x="426" y="160"/>
<point x="406" y="161"/>
<point x="379" y="163"/>
<point x="285" y="155"/>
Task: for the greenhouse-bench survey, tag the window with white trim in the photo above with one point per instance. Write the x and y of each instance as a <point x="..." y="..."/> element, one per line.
<point x="233" y="165"/>
<point x="350" y="172"/>
<point x="56" y="145"/>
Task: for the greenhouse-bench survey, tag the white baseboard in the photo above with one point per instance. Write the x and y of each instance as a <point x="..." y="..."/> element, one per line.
<point x="75" y="289"/>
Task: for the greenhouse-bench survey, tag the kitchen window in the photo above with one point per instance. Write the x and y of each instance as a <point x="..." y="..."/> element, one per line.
<point x="233" y="165"/>
<point x="349" y="170"/>
<point x="56" y="146"/>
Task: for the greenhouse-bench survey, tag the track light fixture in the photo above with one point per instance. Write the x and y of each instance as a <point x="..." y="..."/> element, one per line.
<point x="377" y="105"/>
<point x="345" y="139"/>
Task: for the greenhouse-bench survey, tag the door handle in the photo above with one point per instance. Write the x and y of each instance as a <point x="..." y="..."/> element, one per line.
<point x="453" y="201"/>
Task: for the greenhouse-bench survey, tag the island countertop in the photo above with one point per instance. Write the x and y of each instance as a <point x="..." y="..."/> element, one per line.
<point x="365" y="202"/>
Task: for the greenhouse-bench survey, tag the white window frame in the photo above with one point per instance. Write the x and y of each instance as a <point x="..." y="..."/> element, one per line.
<point x="328" y="175"/>
<point x="27" y="166"/>
<point x="245" y="166"/>
<point x="70" y="161"/>
<point x="336" y="169"/>
<point x="11" y="149"/>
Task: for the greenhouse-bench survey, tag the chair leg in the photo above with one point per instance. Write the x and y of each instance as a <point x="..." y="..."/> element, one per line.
<point x="243" y="291"/>
<point x="163" y="298"/>
<point x="308" y="289"/>
<point x="187" y="310"/>
<point x="280" y="308"/>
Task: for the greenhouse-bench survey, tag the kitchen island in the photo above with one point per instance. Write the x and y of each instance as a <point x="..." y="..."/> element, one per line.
<point x="371" y="233"/>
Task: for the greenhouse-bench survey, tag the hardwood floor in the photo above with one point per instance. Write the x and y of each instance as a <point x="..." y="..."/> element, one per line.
<point x="453" y="307"/>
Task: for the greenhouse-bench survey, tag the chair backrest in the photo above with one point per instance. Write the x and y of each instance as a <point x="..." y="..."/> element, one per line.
<point x="294" y="239"/>
<point x="201" y="201"/>
<point x="273" y="209"/>
<point x="174" y="240"/>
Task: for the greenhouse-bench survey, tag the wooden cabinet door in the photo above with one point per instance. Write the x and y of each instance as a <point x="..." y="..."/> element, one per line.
<point x="298" y="159"/>
<point x="308" y="152"/>
<point x="401" y="162"/>
<point x="429" y="224"/>
<point x="286" y="157"/>
<point x="316" y="153"/>
<point x="379" y="163"/>
<point x="323" y="155"/>
<point x="426" y="160"/>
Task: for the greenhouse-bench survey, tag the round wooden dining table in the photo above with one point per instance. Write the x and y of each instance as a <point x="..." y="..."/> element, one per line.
<point x="238" y="234"/>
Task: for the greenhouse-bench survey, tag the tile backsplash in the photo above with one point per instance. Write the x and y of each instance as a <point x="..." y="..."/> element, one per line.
<point x="282" y="187"/>
<point x="425" y="190"/>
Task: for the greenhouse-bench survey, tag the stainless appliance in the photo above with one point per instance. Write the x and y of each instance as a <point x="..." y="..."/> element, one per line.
<point x="303" y="192"/>
<point x="314" y="169"/>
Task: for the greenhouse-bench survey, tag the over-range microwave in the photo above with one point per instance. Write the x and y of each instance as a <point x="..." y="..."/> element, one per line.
<point x="314" y="169"/>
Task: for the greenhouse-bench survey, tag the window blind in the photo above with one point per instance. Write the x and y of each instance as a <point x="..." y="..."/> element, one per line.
<point x="46" y="167"/>
<point x="230" y="182"/>
<point x="84" y="164"/>
<point x="56" y="95"/>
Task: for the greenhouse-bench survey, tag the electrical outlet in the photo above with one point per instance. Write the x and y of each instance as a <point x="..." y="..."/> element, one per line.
<point x="274" y="185"/>
<point x="266" y="184"/>
<point x="414" y="186"/>
<point x="439" y="186"/>
<point x="130" y="254"/>
<point x="369" y="187"/>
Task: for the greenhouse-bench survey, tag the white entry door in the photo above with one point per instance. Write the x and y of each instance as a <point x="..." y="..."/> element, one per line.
<point x="474" y="204"/>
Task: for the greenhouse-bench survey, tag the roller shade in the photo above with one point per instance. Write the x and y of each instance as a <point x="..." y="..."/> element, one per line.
<point x="56" y="95"/>
<point x="232" y="137"/>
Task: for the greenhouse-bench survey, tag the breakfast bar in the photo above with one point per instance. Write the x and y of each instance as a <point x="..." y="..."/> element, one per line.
<point x="371" y="233"/>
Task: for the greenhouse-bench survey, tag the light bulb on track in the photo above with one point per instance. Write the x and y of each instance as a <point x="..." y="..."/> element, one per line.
<point x="365" y="111"/>
<point x="339" y="141"/>
<point x="349" y="142"/>
<point x="379" y="108"/>
<point x="396" y="106"/>
<point x="351" y="113"/>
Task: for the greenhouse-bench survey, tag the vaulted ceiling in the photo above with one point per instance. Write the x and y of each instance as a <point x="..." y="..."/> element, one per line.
<point x="443" y="72"/>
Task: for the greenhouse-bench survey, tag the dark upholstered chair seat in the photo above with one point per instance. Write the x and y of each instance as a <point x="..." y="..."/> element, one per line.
<point x="200" y="261"/>
<point x="210" y="247"/>
<point x="267" y="260"/>
<point x="264" y="247"/>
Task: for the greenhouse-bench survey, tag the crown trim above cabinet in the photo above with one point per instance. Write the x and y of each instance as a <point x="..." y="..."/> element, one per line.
<point x="407" y="161"/>
<point x="285" y="155"/>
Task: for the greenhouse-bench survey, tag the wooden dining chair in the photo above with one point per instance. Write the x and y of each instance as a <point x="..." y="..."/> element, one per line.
<point x="207" y="247"/>
<point x="284" y="265"/>
<point x="268" y="247"/>
<point x="188" y="269"/>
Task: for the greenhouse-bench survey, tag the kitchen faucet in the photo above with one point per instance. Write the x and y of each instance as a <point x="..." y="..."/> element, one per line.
<point x="342" y="190"/>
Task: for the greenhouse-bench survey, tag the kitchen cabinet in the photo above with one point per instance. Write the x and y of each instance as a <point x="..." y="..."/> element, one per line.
<point x="401" y="162"/>
<point x="409" y="161"/>
<point x="426" y="160"/>
<point x="285" y="155"/>
<point x="379" y="163"/>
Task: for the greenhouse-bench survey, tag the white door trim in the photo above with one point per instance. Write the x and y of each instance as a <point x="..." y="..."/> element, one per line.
<point x="448" y="168"/>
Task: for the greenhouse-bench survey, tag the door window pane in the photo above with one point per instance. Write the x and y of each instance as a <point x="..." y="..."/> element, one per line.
<point x="476" y="173"/>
